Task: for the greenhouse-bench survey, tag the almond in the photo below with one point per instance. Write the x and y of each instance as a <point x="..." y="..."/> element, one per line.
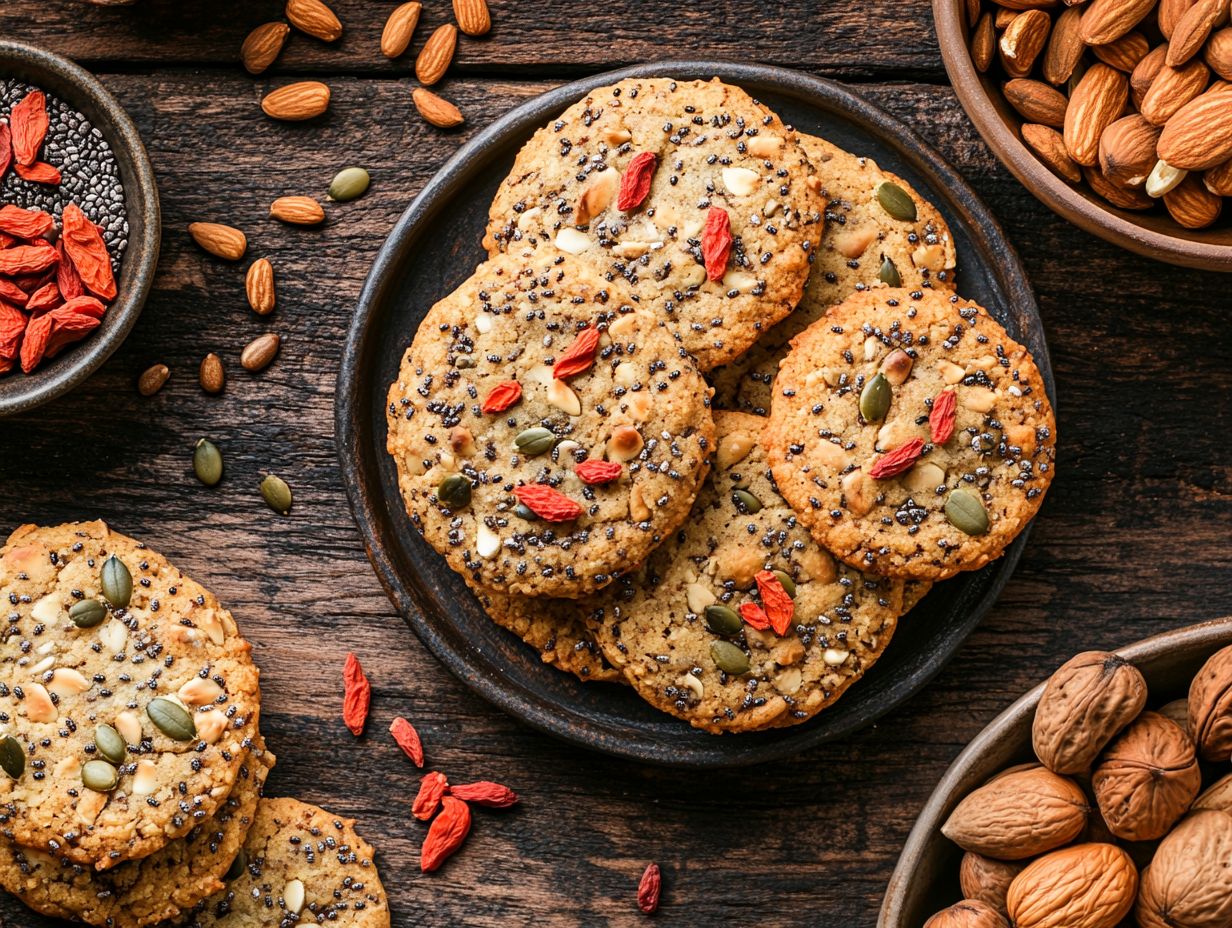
<point x="297" y="102"/>
<point x="1218" y="53"/>
<point x="1065" y="47"/>
<point x="1172" y="89"/>
<point x="1049" y="147"/>
<point x="1095" y="103"/>
<point x="259" y="286"/>
<point x="1036" y="101"/>
<point x="436" y="110"/>
<point x="472" y="16"/>
<point x="983" y="43"/>
<point x="1125" y="53"/>
<point x="1193" y="29"/>
<point x="1170" y="13"/>
<point x="1199" y="135"/>
<point x="1004" y="17"/>
<point x="314" y="18"/>
<point x="1162" y="179"/>
<point x="152" y="379"/>
<point x="219" y="240"/>
<point x="399" y="29"/>
<point x="263" y="45"/>
<point x="1022" y="42"/>
<point x="259" y="352"/>
<point x="1118" y="196"/>
<point x="211" y="376"/>
<point x="1107" y="20"/>
<point x="1127" y="150"/>
<point x="973" y="8"/>
<point x="434" y="58"/>
<point x="1085" y="886"/>
<point x="1218" y="180"/>
<point x="1192" y="205"/>
<point x="1145" y="73"/>
<point x="298" y="211"/>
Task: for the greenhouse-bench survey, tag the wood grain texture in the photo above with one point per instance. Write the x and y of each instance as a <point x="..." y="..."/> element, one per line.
<point x="1132" y="539"/>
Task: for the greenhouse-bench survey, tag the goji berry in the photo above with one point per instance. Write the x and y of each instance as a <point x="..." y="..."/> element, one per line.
<point x="547" y="503"/>
<point x="485" y="793"/>
<point x="579" y="357"/>
<point x="755" y="616"/>
<point x="596" y="472"/>
<point x="34" y="342"/>
<point x="431" y="788"/>
<point x="24" y="223"/>
<point x="83" y="243"/>
<point x="503" y="396"/>
<point x="67" y="327"/>
<point x="12" y="324"/>
<point x="11" y="293"/>
<point x="941" y="418"/>
<point x="45" y="298"/>
<point x="716" y="242"/>
<point x="774" y="599"/>
<point x="67" y="278"/>
<point x="86" y="305"/>
<point x="446" y="834"/>
<point x="407" y="738"/>
<point x="28" y="122"/>
<point x="635" y="181"/>
<point x="897" y="460"/>
<point x="38" y="173"/>
<point x="649" y="888"/>
<point x="357" y="695"/>
<point x="27" y="259"/>
<point x="6" y="150"/>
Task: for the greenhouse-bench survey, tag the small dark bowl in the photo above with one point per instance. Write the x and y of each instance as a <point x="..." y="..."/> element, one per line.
<point x="926" y="877"/>
<point x="21" y="392"/>
<point x="1153" y="234"/>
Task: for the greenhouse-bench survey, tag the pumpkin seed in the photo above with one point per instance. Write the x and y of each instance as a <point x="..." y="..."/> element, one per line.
<point x="896" y="201"/>
<point x="88" y="613"/>
<point x="207" y="462"/>
<point x="729" y="658"/>
<point x="746" y="502"/>
<point x="789" y="585"/>
<point x="966" y="513"/>
<point x="535" y="441"/>
<point x="454" y="491"/>
<point x="522" y="511"/>
<point x="110" y="744"/>
<point x="12" y="757"/>
<point x="349" y="184"/>
<point x="99" y="776"/>
<point x="237" y="867"/>
<point x="889" y="274"/>
<point x="722" y="621"/>
<point x="172" y="720"/>
<point x="117" y="582"/>
<point x="875" y="398"/>
<point x="277" y="494"/>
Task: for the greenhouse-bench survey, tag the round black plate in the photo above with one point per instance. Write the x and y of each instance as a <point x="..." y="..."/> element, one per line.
<point x="435" y="246"/>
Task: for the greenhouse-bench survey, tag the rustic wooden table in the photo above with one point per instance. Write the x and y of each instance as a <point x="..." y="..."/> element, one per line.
<point x="1133" y="538"/>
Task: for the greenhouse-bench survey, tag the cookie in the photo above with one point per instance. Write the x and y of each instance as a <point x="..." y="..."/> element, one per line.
<point x="699" y="197"/>
<point x="547" y="434"/>
<point x="863" y="246"/>
<point x="162" y="670"/>
<point x="153" y="889"/>
<point x="741" y="621"/>
<point x="301" y="865"/>
<point x="913" y="436"/>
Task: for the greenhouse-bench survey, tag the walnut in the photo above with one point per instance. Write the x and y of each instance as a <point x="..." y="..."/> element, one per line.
<point x="1019" y="815"/>
<point x="1084" y="886"/>
<point x="1217" y="796"/>
<point x="970" y="913"/>
<point x="1210" y="706"/>
<point x="1189" y="881"/>
<point x="1147" y="778"/>
<point x="1090" y="698"/>
<point x="987" y="880"/>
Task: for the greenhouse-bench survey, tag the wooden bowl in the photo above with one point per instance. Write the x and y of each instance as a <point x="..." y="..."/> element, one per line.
<point x="77" y="87"/>
<point x="926" y="877"/>
<point x="1154" y="235"/>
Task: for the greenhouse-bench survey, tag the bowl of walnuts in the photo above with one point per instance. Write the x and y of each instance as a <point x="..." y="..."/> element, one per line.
<point x="1101" y="798"/>
<point x="1116" y="114"/>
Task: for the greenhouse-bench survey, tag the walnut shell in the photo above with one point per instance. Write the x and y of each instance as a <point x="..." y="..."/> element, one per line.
<point x="986" y="880"/>
<point x="970" y="913"/>
<point x="1189" y="881"/>
<point x="1090" y="698"/>
<point x="1019" y="815"/>
<point x="1210" y="706"/>
<point x="1084" y="886"/>
<point x="1217" y="796"/>
<point x="1178" y="711"/>
<point x="1147" y="778"/>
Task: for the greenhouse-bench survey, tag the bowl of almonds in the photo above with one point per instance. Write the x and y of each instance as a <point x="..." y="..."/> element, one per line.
<point x="1116" y="114"/>
<point x="1101" y="798"/>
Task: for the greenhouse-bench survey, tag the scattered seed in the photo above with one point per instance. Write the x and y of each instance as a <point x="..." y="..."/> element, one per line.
<point x="729" y="658"/>
<point x="788" y="584"/>
<point x="110" y="744"/>
<point x="277" y="494"/>
<point x="746" y="502"/>
<point x="152" y="379"/>
<point x="349" y="184"/>
<point x="875" y="398"/>
<point x="12" y="757"/>
<point x="171" y="719"/>
<point x="722" y="621"/>
<point x="99" y="776"/>
<point x="117" y="582"/>
<point x="212" y="376"/>
<point x="259" y="352"/>
<point x="522" y="511"/>
<point x="889" y="274"/>
<point x="454" y="491"/>
<point x="87" y="613"/>
<point x="966" y="513"/>
<point x="207" y="462"/>
<point x="896" y="201"/>
<point x="535" y="441"/>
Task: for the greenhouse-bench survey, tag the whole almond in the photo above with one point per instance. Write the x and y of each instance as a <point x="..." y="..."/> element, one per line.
<point x="1096" y="102"/>
<point x="1218" y="53"/>
<point x="259" y="352"/>
<point x="1036" y="101"/>
<point x="259" y="286"/>
<point x="1018" y="815"/>
<point x="436" y="110"/>
<point x="1027" y="4"/>
<point x="1170" y="13"/>
<point x="1120" y="197"/>
<point x="1022" y="42"/>
<point x="472" y="16"/>
<point x="298" y="211"/>
<point x="297" y="102"/>
<point x="1193" y="30"/>
<point x="1145" y="73"/>
<point x="1065" y="47"/>
<point x="1199" y="134"/>
<point x="211" y="375"/>
<point x="219" y="240"/>
<point x="1192" y="205"/>
<point x="1049" y="146"/>
<point x="1189" y="880"/>
<point x="314" y="18"/>
<point x="970" y="913"/>
<point x="1218" y="180"/>
<point x="983" y="43"/>
<point x="1106" y="21"/>
<point x="1125" y="53"/>
<point x="1127" y="152"/>
<point x="1172" y="89"/>
<point x="263" y="45"/>
<point x="973" y="9"/>
<point x="434" y="57"/>
<point x="1085" y="886"/>
<point x="1004" y="17"/>
<point x="152" y="379"/>
<point x="399" y="29"/>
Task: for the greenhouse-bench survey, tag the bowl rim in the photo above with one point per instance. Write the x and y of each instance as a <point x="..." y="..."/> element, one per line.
<point x="1041" y="182"/>
<point x="141" y="210"/>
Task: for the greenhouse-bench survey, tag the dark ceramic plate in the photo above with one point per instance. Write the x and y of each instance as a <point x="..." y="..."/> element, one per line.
<point x="434" y="248"/>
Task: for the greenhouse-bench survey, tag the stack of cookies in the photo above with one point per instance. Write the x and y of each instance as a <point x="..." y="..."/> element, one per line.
<point x="710" y="418"/>
<point x="133" y="764"/>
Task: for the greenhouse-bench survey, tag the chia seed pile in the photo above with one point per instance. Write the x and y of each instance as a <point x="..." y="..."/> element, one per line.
<point x="90" y="174"/>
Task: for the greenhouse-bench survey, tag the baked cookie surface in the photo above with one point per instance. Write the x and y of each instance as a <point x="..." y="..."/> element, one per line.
<point x="740" y="621"/>
<point x="643" y="178"/>
<point x="164" y="672"/>
<point x="301" y="866"/>
<point x="547" y="435"/>
<point x="863" y="246"/>
<point x="913" y="436"/>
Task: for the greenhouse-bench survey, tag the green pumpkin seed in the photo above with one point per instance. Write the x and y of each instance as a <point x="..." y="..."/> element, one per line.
<point x="277" y="494"/>
<point x="110" y="744"/>
<point x="172" y="720"/>
<point x="88" y="613"/>
<point x="722" y="621"/>
<point x="746" y="502"/>
<point x="522" y="511"/>
<point x="454" y="491"/>
<point x="207" y="462"/>
<point x="12" y="757"/>
<point x="464" y="362"/>
<point x="889" y="274"/>
<point x="535" y="441"/>
<point x="117" y="582"/>
<point x="966" y="513"/>
<point x="875" y="398"/>
<point x="348" y="184"/>
<point x="896" y="201"/>
<point x="729" y="658"/>
<point x="238" y="866"/>
<point x="789" y="585"/>
<point x="99" y="776"/>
